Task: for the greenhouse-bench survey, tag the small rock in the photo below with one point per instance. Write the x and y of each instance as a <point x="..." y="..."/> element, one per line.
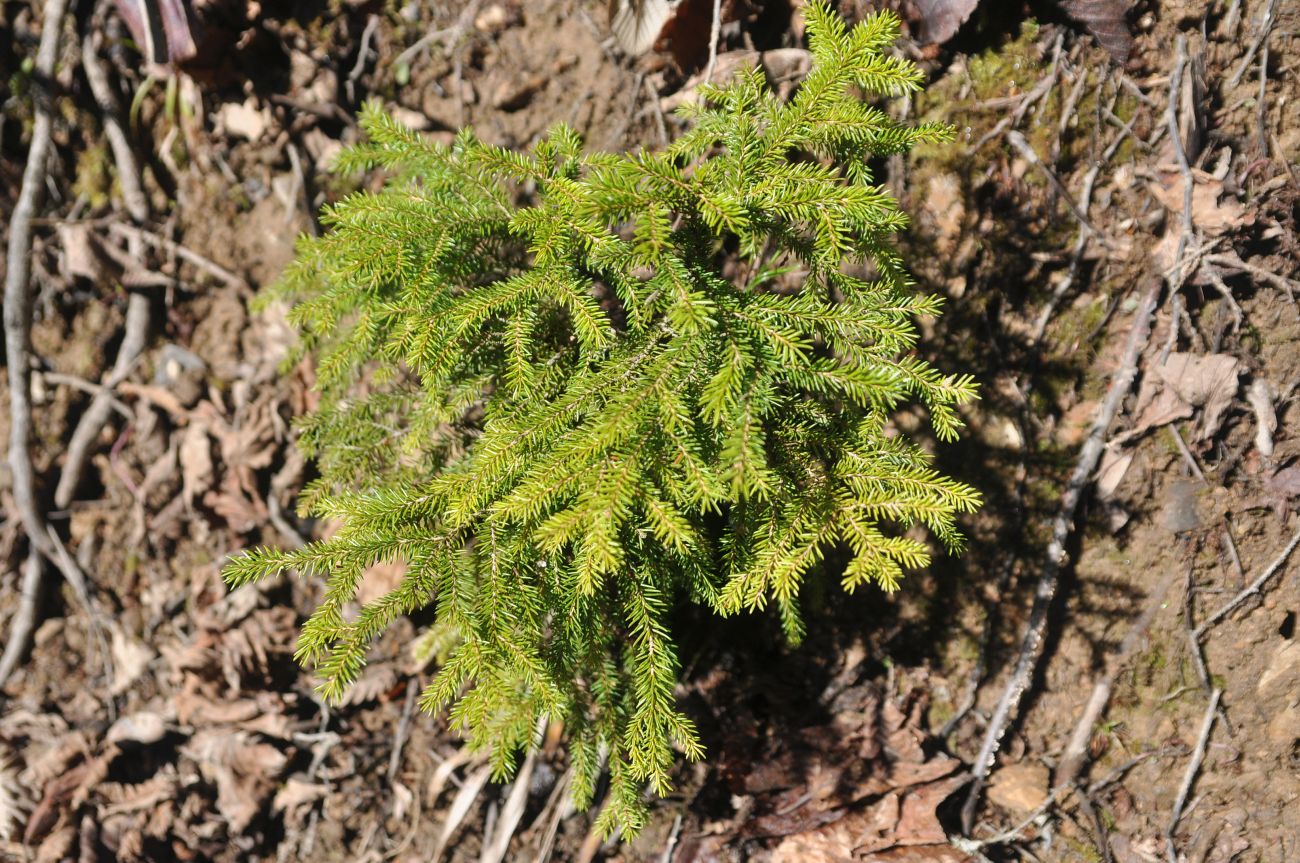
<point x="1020" y="788"/>
<point x="409" y="118"/>
<point x="496" y="18"/>
<point x="511" y="95"/>
<point x="1283" y="672"/>
<point x="244" y="120"/>
<point x="142" y="728"/>
<point x="1179" y="513"/>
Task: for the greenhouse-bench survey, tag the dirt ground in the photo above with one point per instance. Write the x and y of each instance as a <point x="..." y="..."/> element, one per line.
<point x="158" y="716"/>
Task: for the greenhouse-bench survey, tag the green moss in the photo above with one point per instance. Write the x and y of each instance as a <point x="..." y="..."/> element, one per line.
<point x="94" y="179"/>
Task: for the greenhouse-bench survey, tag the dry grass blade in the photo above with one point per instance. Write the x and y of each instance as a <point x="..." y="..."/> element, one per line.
<point x="460" y="807"/>
<point x="496" y="846"/>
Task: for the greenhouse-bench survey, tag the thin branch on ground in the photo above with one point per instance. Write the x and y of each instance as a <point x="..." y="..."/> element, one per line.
<point x="1193" y="767"/>
<point x="1188" y="234"/>
<point x="1250" y="590"/>
<point x="137" y="311"/>
<point x="449" y="35"/>
<point x="186" y="254"/>
<point x="403" y="728"/>
<point x="91" y="388"/>
<point x="1073" y="758"/>
<point x="17" y="328"/>
<point x="1193" y="642"/>
<point x="363" y="54"/>
<point x="1261" y="34"/>
<point x="1231" y="259"/>
<point x="1017" y="140"/>
<point x="24" y="619"/>
<point x="715" y="32"/>
<point x="1062" y="526"/>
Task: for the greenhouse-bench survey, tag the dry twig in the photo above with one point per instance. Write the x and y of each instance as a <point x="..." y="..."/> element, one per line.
<point x="17" y="326"/>
<point x="1072" y="760"/>
<point x="186" y="254"/>
<point x="24" y="619"/>
<point x="1250" y="590"/>
<point x="1193" y="766"/>
<point x="715" y="31"/>
<point x="1089" y="456"/>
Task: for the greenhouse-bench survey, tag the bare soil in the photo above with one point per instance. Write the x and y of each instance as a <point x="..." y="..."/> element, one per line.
<point x="165" y="718"/>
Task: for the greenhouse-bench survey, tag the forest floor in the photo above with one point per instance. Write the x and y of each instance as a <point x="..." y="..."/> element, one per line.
<point x="158" y="716"/>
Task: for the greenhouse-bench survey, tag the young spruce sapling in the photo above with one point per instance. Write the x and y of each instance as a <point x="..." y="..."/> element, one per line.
<point x="564" y="419"/>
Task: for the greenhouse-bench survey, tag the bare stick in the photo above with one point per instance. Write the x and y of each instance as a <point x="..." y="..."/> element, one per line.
<point x="1194" y="643"/>
<point x="188" y="255"/>
<point x="1233" y="260"/>
<point x="18" y="297"/>
<point x="93" y="389"/>
<point x="1072" y="759"/>
<point x="1089" y="456"/>
<point x="137" y="310"/>
<point x="24" y="619"/>
<point x="1193" y="766"/>
<point x="1018" y="141"/>
<point x="715" y="32"/>
<point x="1265" y="28"/>
<point x="1253" y="588"/>
<point x="128" y="174"/>
<point x="1171" y="121"/>
<point x="403" y="728"/>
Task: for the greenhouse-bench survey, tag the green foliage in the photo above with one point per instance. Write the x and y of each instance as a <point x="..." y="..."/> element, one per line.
<point x="564" y="419"/>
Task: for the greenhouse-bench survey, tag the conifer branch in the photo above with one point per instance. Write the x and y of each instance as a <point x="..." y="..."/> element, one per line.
<point x="565" y="420"/>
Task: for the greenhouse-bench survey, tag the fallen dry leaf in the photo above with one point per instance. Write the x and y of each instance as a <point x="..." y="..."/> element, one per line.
<point x="130" y="658"/>
<point x="196" y="462"/>
<point x="141" y="728"/>
<point x="1107" y="20"/>
<point x="295" y="794"/>
<point x="245" y="119"/>
<point x="13" y="803"/>
<point x="1114" y="466"/>
<point x="1213" y="212"/>
<point x="1260" y="394"/>
<point x="244" y="771"/>
<point x="1019" y="788"/>
<point x="1186" y="381"/>
<point x="941" y="19"/>
<point x="81" y="258"/>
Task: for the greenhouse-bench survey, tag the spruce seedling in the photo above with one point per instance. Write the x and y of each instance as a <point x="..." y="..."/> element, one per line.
<point x="564" y="419"/>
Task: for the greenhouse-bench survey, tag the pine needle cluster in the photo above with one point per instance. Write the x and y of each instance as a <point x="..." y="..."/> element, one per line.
<point x="539" y="392"/>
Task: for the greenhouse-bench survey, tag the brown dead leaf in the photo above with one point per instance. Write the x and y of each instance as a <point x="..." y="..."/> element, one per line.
<point x="263" y="713"/>
<point x="1213" y="212"/>
<point x="1114" y="466"/>
<point x="898" y="819"/>
<point x="1106" y="20"/>
<point x="81" y="257"/>
<point x="375" y="680"/>
<point x="1186" y="381"/>
<point x="195" y="461"/>
<point x="941" y="19"/>
<point x="13" y="798"/>
<point x="295" y="794"/>
<point x="380" y="579"/>
<point x="1285" y="484"/>
<point x="141" y="728"/>
<point x="130" y="659"/>
<point x="244" y="771"/>
<point x="242" y="511"/>
<point x="245" y="120"/>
